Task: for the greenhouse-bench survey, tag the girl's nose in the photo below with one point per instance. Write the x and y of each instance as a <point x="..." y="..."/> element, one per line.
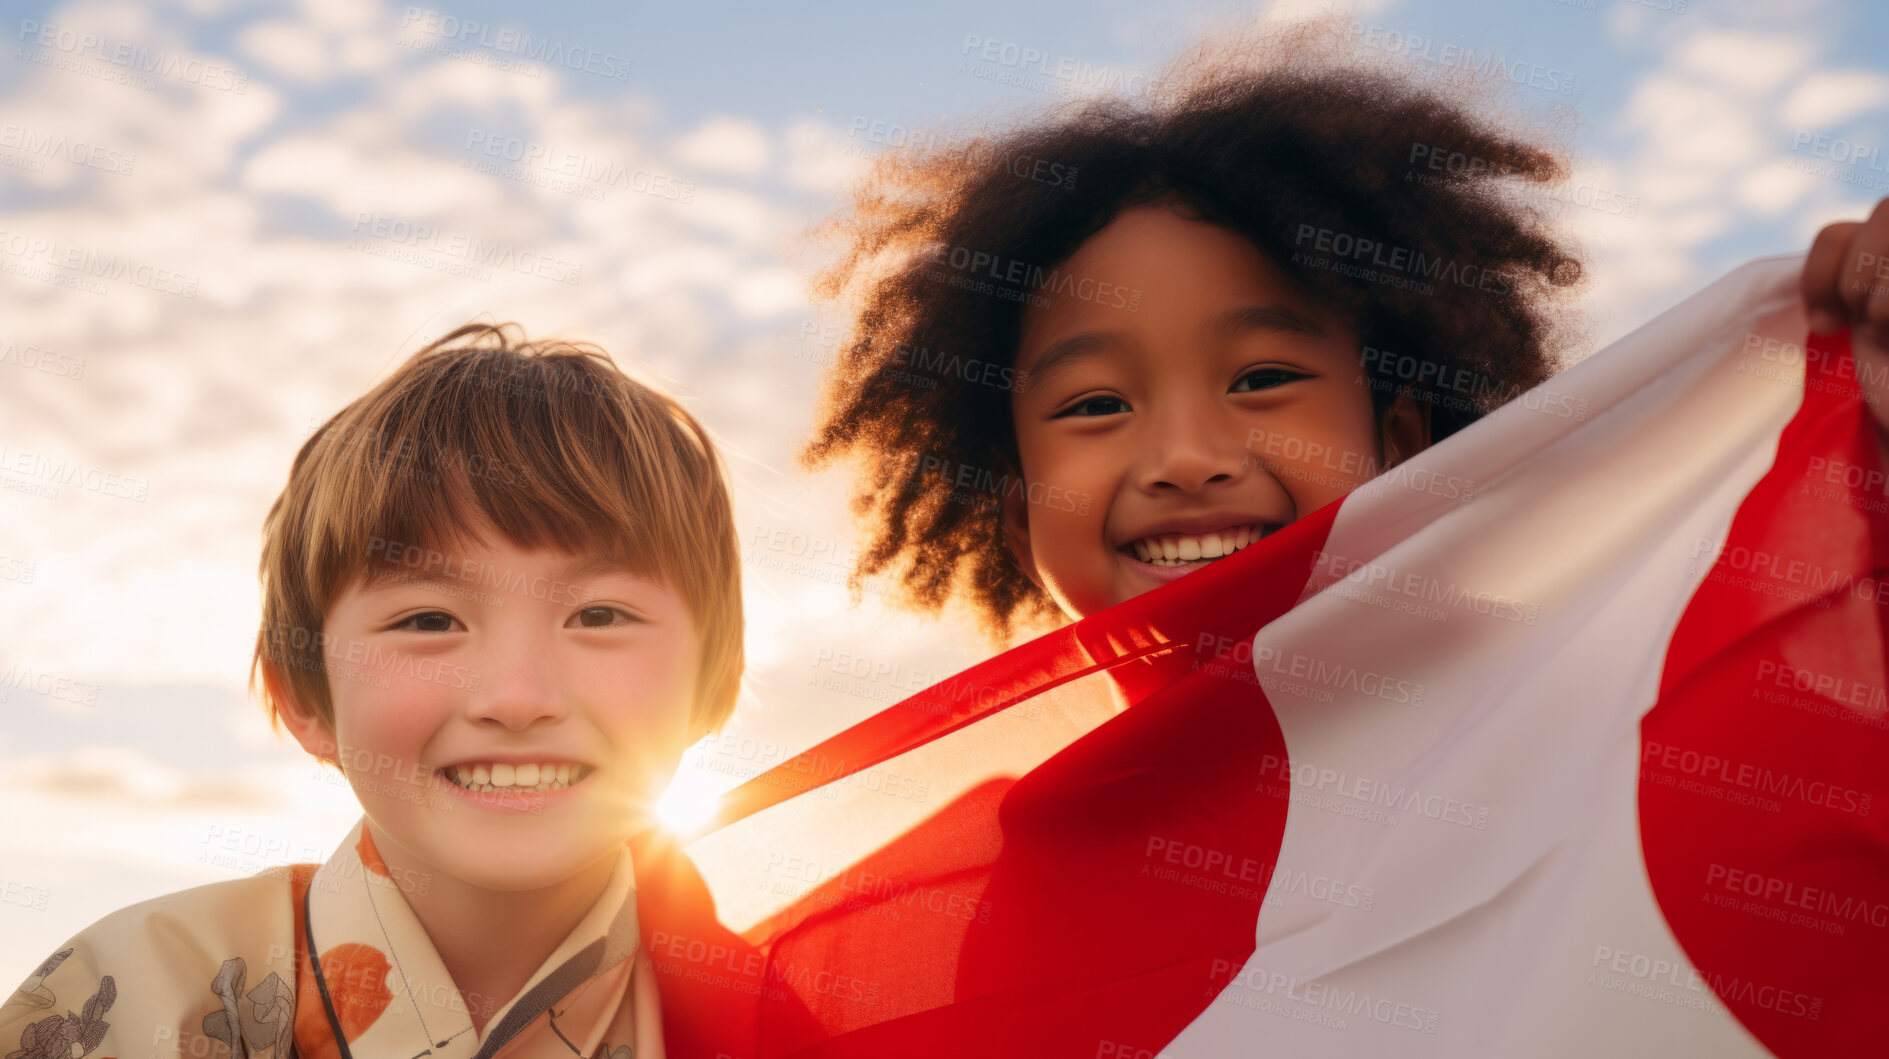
<point x="1193" y="449"/>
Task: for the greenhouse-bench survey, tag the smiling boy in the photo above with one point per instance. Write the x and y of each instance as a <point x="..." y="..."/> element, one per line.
<point x="501" y="595"/>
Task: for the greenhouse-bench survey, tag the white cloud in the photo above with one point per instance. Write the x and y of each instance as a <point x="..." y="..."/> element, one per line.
<point x="1748" y="63"/>
<point x="289" y="49"/>
<point x="343" y="15"/>
<point x="1773" y="188"/>
<point x="726" y="145"/>
<point x="821" y="158"/>
<point x="1829" y="97"/>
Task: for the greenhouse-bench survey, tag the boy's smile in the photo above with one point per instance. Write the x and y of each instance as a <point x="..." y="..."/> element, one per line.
<point x="512" y="736"/>
<point x="1225" y="404"/>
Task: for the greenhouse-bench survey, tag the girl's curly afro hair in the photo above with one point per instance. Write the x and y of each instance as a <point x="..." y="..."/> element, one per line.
<point x="1331" y="164"/>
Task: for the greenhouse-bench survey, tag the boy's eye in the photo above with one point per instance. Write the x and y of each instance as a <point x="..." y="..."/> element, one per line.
<point x="600" y="617"/>
<point x="1265" y="379"/>
<point x="1099" y="405"/>
<point x="429" y="621"/>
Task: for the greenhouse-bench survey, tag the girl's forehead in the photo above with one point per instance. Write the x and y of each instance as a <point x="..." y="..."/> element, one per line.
<point x="1161" y="276"/>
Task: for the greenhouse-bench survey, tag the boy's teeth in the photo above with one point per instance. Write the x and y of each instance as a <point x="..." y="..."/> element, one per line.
<point x="501" y="776"/>
<point x="1172" y="549"/>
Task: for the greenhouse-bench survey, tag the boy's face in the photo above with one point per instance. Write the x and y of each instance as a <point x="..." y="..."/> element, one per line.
<point x="514" y="662"/>
<point x="1226" y="403"/>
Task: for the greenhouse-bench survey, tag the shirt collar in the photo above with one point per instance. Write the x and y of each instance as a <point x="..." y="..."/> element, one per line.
<point x="386" y="991"/>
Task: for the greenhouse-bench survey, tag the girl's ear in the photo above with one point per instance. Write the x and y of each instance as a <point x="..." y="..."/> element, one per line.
<point x="1405" y="429"/>
<point x="302" y="722"/>
<point x="1014" y="511"/>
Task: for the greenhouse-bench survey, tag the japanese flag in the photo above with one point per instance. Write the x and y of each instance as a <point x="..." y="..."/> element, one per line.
<point x="1565" y="737"/>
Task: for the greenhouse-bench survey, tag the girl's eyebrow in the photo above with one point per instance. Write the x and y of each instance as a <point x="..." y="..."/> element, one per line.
<point x="1065" y="352"/>
<point x="1275" y="317"/>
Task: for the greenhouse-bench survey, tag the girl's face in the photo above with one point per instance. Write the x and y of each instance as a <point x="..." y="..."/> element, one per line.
<point x="1225" y="403"/>
<point x="512" y="722"/>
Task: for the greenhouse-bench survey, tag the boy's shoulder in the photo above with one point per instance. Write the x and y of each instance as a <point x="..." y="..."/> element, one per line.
<point x="155" y="975"/>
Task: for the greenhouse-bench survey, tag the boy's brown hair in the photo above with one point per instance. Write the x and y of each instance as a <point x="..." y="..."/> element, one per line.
<point x="550" y="443"/>
<point x="1271" y="138"/>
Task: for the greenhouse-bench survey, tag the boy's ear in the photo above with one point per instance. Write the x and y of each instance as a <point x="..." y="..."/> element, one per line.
<point x="1405" y="428"/>
<point x="1014" y="511"/>
<point x="302" y="722"/>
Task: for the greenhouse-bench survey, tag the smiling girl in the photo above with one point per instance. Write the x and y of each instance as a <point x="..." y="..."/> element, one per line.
<point x="1257" y="294"/>
<point x="1255" y="297"/>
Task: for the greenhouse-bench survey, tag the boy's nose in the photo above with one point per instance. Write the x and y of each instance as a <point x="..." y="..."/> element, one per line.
<point x="517" y="689"/>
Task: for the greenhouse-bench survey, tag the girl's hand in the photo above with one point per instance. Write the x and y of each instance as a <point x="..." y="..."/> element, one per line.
<point x="1846" y="282"/>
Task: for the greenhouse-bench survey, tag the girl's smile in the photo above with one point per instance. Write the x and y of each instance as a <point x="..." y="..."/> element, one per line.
<point x="1166" y="418"/>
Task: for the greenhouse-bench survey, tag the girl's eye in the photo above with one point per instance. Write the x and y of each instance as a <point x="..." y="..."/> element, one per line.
<point x="1266" y="379"/>
<point x="1099" y="405"/>
<point x="429" y="621"/>
<point x="600" y="617"/>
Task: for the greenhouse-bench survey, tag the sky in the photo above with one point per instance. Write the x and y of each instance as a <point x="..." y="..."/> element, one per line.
<point x="220" y="221"/>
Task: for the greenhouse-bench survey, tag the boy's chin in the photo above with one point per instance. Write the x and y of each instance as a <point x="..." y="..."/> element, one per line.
<point x="508" y="854"/>
<point x="524" y="865"/>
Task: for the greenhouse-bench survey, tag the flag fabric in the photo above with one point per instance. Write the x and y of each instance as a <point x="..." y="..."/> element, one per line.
<point x="1562" y="738"/>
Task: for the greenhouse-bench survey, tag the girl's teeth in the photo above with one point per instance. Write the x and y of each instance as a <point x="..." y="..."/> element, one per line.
<point x="1172" y="549"/>
<point x="500" y="776"/>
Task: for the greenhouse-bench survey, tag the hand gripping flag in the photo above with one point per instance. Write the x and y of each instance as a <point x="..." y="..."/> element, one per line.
<point x="1566" y="737"/>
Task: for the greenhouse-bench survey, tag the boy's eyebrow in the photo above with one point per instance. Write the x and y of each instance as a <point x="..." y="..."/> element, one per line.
<point x="590" y="566"/>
